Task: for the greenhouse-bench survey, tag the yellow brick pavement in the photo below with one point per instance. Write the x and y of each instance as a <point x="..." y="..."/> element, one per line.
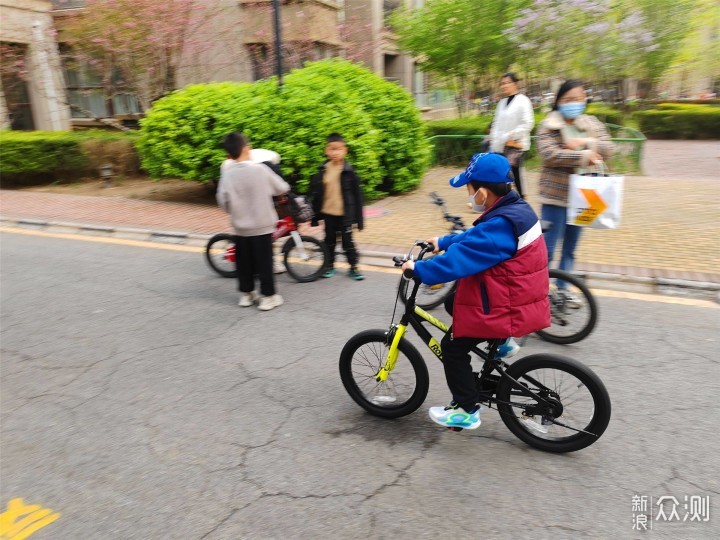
<point x="667" y="224"/>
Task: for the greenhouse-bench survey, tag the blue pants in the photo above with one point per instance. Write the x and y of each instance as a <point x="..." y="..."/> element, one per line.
<point x="569" y="234"/>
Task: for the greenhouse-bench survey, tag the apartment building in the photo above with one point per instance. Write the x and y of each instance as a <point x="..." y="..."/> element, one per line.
<point x="238" y="44"/>
<point x="32" y="91"/>
<point x="369" y="38"/>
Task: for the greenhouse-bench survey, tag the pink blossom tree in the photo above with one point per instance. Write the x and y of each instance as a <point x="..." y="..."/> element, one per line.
<point x="140" y="45"/>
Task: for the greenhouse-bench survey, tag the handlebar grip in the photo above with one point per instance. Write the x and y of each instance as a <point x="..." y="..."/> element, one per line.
<point x="398" y="260"/>
<point x="408" y="273"/>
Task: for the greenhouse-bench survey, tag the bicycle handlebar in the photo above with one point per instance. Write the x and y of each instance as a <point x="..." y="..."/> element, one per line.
<point x="399" y="260"/>
<point x="437" y="199"/>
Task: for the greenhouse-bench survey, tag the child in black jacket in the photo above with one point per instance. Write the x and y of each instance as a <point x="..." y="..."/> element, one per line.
<point x="337" y="199"/>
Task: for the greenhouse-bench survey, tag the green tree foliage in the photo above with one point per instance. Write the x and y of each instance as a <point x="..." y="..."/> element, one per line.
<point x="181" y="134"/>
<point x="461" y="40"/>
<point x="668" y="21"/>
<point x="699" y="55"/>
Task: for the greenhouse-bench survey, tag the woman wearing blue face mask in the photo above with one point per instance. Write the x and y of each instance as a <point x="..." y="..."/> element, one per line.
<point x="568" y="140"/>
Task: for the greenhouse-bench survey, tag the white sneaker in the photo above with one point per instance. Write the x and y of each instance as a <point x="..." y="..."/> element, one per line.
<point x="247" y="299"/>
<point x="453" y="416"/>
<point x="508" y="348"/>
<point x="269" y="302"/>
<point x="278" y="267"/>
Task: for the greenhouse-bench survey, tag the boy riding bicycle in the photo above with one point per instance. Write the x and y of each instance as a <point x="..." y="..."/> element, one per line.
<point x="502" y="271"/>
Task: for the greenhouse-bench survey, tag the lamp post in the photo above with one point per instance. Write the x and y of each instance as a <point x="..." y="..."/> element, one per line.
<point x="278" y="42"/>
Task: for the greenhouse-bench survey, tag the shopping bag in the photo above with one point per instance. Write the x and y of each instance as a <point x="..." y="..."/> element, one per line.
<point x="595" y="200"/>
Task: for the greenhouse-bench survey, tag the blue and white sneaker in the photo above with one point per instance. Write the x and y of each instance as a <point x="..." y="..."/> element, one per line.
<point x="508" y="348"/>
<point x="454" y="416"/>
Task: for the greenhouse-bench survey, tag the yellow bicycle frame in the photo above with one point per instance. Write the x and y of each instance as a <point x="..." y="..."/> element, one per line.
<point x="432" y="343"/>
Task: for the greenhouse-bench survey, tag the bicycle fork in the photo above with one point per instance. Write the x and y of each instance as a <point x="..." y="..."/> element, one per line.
<point x="299" y="245"/>
<point x="392" y="356"/>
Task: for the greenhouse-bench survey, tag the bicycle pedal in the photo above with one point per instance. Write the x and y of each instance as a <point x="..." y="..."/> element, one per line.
<point x="453" y="428"/>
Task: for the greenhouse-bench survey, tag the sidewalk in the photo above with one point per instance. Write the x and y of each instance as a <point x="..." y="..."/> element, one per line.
<point x="668" y="231"/>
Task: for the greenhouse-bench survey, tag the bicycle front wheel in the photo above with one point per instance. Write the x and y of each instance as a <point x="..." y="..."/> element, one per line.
<point x="401" y="393"/>
<point x="306" y="262"/>
<point x="580" y="410"/>
<point x="573" y="310"/>
<point x="220" y="255"/>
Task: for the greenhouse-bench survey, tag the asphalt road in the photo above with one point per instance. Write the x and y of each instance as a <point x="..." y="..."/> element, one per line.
<point x="138" y="401"/>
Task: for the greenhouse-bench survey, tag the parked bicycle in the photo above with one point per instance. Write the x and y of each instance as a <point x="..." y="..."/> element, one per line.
<point x="550" y="402"/>
<point x="573" y="310"/>
<point x="305" y="257"/>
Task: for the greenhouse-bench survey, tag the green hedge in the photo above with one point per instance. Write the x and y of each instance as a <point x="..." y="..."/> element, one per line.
<point x="606" y="114"/>
<point x="181" y="135"/>
<point x="455" y="141"/>
<point x="47" y="156"/>
<point x="688" y="122"/>
<point x="40" y="156"/>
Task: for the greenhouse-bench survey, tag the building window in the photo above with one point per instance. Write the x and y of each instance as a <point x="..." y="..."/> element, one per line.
<point x="13" y="73"/>
<point x="88" y="96"/>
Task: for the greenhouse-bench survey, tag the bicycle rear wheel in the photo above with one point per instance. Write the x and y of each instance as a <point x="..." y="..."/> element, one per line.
<point x="220" y="255"/>
<point x="306" y="263"/>
<point x="573" y="309"/>
<point x="580" y="403"/>
<point x="401" y="393"/>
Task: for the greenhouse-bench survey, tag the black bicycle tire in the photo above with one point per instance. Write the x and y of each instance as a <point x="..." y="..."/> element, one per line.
<point x="601" y="400"/>
<point x="405" y="284"/>
<point x="302" y="278"/>
<point x="589" y="300"/>
<point x="422" y="378"/>
<point x="211" y="263"/>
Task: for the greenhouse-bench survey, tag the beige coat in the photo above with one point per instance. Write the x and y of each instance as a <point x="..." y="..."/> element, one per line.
<point x="558" y="162"/>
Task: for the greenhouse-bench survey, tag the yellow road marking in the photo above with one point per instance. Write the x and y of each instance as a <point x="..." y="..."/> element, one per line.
<point x="103" y="240"/>
<point x="15" y="527"/>
<point x="367" y="268"/>
<point x="645" y="297"/>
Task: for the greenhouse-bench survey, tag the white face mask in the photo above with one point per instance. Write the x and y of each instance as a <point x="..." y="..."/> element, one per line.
<point x="480" y="208"/>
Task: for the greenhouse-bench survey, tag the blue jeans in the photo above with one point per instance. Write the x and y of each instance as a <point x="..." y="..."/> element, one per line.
<point x="569" y="234"/>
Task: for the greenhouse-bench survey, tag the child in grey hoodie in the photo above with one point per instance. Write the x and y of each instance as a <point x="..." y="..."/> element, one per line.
<point x="245" y="192"/>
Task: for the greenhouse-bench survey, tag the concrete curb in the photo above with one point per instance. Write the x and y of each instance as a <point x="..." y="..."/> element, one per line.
<point x="619" y="282"/>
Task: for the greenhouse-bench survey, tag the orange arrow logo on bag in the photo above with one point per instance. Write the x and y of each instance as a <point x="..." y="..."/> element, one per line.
<point x="597" y="207"/>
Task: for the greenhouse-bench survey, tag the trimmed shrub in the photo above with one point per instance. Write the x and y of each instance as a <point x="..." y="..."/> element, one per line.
<point x="684" y="106"/>
<point x="476" y="125"/>
<point x="606" y="114"/>
<point x="48" y="156"/>
<point x="691" y="122"/>
<point x="455" y="141"/>
<point x="181" y="134"/>
<point x="402" y="148"/>
<point x="39" y="156"/>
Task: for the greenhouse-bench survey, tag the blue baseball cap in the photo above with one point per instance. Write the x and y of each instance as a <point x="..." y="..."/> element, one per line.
<point x="493" y="168"/>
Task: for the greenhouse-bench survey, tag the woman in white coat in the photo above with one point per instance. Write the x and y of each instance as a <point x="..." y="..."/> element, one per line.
<point x="511" y="127"/>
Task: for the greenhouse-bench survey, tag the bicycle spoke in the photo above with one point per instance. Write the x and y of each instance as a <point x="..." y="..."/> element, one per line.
<point x="396" y="388"/>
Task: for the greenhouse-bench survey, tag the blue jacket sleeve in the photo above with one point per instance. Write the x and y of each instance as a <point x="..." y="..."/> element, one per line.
<point x="446" y="241"/>
<point x="485" y="245"/>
